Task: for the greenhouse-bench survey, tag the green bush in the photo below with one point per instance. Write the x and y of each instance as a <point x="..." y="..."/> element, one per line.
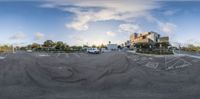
<point x="155" y="51"/>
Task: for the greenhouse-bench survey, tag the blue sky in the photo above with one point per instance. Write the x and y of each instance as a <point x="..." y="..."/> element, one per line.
<point x="78" y="22"/>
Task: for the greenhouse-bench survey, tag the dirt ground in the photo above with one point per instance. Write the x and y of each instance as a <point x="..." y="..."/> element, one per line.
<point x="114" y="75"/>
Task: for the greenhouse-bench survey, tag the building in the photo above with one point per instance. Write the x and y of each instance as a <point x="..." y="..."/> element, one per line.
<point x="150" y="40"/>
<point x="150" y="43"/>
<point x="146" y="37"/>
<point x="112" y="47"/>
<point x="164" y="40"/>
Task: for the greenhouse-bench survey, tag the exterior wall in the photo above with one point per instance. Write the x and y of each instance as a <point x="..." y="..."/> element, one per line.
<point x="149" y="41"/>
<point x="112" y="46"/>
<point x="153" y="36"/>
<point x="144" y="37"/>
<point x="141" y="40"/>
<point x="133" y="37"/>
<point x="164" y="40"/>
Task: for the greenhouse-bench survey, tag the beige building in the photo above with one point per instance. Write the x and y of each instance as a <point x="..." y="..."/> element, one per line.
<point x="146" y="37"/>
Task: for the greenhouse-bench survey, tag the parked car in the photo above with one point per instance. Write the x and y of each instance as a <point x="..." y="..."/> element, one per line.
<point x="29" y="51"/>
<point x="93" y="50"/>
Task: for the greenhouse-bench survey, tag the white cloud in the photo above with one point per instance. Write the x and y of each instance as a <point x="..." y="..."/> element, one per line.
<point x="18" y="36"/>
<point x="168" y="28"/>
<point x="171" y="12"/>
<point x="79" y="24"/>
<point x="109" y="33"/>
<point x="129" y="28"/>
<point x="39" y="36"/>
<point x="87" y="11"/>
<point x="48" y="5"/>
<point x="78" y="38"/>
<point x="99" y="42"/>
<point x="84" y="39"/>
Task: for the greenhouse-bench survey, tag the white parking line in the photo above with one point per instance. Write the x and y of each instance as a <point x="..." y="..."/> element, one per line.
<point x="176" y="64"/>
<point x="170" y="59"/>
<point x="196" y="60"/>
<point x="152" y="65"/>
<point x="2" y="57"/>
<point x="75" y="55"/>
<point x="42" y="55"/>
<point x="58" y="54"/>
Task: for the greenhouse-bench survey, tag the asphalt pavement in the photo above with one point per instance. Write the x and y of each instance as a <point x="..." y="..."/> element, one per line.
<point x="113" y="75"/>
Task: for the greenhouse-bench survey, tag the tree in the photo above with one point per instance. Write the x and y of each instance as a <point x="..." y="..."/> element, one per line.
<point x="77" y="48"/>
<point x="49" y="43"/>
<point x="5" y="48"/>
<point x="85" y="46"/>
<point x="60" y="45"/>
<point x="93" y="46"/>
<point x="67" y="48"/>
<point x="35" y="46"/>
<point x="119" y="47"/>
<point x="192" y="48"/>
<point x="103" y="46"/>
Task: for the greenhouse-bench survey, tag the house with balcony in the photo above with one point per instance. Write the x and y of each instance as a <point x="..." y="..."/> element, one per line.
<point x="148" y="41"/>
<point x="146" y="37"/>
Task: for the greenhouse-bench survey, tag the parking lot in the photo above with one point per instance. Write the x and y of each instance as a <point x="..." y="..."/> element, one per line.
<point x="113" y="75"/>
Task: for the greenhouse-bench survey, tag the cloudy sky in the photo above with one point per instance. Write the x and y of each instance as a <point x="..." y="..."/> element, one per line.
<point x="78" y="22"/>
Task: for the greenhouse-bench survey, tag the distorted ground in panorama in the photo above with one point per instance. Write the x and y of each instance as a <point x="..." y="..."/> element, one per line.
<point x="115" y="75"/>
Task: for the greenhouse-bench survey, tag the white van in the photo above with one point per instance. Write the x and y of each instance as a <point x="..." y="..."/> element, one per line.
<point x="93" y="50"/>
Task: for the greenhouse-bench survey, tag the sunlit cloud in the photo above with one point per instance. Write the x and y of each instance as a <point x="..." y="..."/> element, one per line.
<point x="89" y="11"/>
<point x="99" y="42"/>
<point x="18" y="36"/>
<point x="39" y="36"/>
<point x="129" y="28"/>
<point x="109" y="33"/>
<point x="168" y="28"/>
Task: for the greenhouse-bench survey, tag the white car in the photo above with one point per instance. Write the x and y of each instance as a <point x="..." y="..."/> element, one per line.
<point x="93" y="50"/>
<point x="29" y="51"/>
